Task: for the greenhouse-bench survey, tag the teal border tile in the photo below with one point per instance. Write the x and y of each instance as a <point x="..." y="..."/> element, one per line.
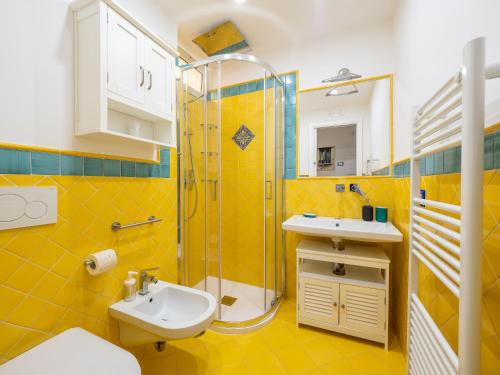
<point x="112" y="168"/>
<point x="155" y="170"/>
<point x="422" y="167"/>
<point x="165" y="171"/>
<point x="252" y="86"/>
<point x="234" y="90"/>
<point x="45" y="163"/>
<point x="451" y="164"/>
<point x="71" y="165"/>
<point x="489" y="151"/>
<point x="429" y="165"/>
<point x="165" y="157"/>
<point x="497" y="150"/>
<point x="15" y="162"/>
<point x="93" y="167"/>
<point x="142" y="170"/>
<point x="438" y="163"/>
<point x="290" y="174"/>
<point x="54" y="164"/>
<point x="128" y="168"/>
<point x="232" y="48"/>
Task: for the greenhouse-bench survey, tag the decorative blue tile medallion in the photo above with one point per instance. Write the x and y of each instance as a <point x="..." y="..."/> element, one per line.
<point x="243" y="137"/>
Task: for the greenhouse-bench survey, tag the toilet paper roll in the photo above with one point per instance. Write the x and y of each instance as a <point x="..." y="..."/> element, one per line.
<point x="101" y="261"/>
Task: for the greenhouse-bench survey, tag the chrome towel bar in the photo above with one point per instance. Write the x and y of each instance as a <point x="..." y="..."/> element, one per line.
<point x="117" y="226"/>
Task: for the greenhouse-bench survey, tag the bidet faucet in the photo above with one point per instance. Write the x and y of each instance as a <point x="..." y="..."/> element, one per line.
<point x="147" y="279"/>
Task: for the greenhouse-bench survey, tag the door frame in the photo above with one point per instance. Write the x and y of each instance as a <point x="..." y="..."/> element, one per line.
<point x="313" y="131"/>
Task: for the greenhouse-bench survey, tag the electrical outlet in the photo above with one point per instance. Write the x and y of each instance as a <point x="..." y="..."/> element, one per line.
<point x="339" y="188"/>
<point x="353" y="188"/>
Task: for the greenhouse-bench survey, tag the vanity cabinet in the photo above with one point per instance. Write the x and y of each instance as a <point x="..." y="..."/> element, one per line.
<point x="356" y="303"/>
<point x="125" y="77"/>
<point x="319" y="300"/>
<point x="362" y="309"/>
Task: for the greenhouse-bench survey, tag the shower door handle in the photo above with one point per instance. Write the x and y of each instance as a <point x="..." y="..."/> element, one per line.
<point x="214" y="190"/>
<point x="213" y="186"/>
<point x="269" y="189"/>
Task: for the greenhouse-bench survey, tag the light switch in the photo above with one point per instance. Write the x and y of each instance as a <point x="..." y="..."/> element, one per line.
<point x="27" y="206"/>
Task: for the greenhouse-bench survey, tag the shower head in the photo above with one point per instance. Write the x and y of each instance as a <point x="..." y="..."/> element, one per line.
<point x="343" y="90"/>
<point x="344" y="74"/>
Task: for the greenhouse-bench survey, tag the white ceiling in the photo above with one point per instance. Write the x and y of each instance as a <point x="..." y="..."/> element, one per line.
<point x="268" y="24"/>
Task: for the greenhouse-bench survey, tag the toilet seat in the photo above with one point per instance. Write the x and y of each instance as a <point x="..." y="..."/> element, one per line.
<point x="76" y="352"/>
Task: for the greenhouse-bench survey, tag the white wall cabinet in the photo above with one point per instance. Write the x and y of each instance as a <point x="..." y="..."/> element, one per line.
<point x="125" y="70"/>
<point x="355" y="304"/>
<point x="160" y="70"/>
<point x="125" y="76"/>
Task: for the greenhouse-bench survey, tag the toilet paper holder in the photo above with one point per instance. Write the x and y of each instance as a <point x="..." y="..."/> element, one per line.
<point x="101" y="261"/>
<point x="89" y="263"/>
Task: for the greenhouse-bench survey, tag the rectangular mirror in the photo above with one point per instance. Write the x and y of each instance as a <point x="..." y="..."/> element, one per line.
<point x="345" y="129"/>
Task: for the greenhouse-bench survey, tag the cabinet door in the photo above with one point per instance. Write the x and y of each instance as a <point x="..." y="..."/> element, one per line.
<point x="362" y="309"/>
<point x="318" y="300"/>
<point x="126" y="75"/>
<point x="160" y="80"/>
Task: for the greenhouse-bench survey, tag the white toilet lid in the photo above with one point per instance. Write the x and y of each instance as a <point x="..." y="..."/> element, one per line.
<point x="75" y="352"/>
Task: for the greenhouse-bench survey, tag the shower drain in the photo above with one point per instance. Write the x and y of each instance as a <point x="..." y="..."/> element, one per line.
<point x="228" y="300"/>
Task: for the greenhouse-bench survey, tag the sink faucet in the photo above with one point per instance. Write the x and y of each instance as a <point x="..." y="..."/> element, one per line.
<point x="360" y="192"/>
<point x="146" y="279"/>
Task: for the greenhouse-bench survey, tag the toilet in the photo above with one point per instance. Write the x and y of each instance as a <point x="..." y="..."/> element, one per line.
<point x="74" y="351"/>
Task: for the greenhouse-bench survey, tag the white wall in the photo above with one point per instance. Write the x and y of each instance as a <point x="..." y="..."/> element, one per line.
<point x="36" y="74"/>
<point x="429" y="38"/>
<point x="380" y="123"/>
<point x="367" y="51"/>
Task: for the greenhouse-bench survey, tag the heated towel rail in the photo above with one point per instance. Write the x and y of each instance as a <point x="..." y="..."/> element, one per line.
<point x="447" y="238"/>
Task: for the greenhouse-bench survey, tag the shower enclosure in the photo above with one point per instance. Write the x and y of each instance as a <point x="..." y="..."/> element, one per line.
<point x="231" y="188"/>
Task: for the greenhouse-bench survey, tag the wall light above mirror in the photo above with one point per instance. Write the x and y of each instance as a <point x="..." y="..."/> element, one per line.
<point x="345" y="129"/>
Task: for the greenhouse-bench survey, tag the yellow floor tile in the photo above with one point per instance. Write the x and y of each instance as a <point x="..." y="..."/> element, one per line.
<point x="321" y="351"/>
<point x="278" y="348"/>
<point x="295" y="360"/>
<point x="342" y="366"/>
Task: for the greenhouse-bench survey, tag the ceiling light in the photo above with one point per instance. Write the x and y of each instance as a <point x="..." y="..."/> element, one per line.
<point x="343" y="90"/>
<point x="239" y="1"/>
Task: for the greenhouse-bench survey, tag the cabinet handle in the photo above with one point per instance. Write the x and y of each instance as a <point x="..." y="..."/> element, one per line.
<point x="142" y="76"/>
<point x="343" y="306"/>
<point x="150" y="80"/>
<point x="335" y="304"/>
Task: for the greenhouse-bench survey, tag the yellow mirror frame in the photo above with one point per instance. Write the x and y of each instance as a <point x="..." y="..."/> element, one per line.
<point x="390" y="77"/>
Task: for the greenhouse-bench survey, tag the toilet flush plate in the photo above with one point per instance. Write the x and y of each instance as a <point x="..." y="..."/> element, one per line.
<point x="27" y="206"/>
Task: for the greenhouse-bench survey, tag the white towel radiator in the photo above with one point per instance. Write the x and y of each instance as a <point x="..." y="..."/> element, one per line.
<point x="447" y="238"/>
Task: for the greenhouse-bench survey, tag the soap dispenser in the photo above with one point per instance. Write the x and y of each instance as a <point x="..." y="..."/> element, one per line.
<point x="130" y="286"/>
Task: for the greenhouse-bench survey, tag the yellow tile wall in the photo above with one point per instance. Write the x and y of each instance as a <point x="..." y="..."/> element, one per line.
<point x="44" y="287"/>
<point x="242" y="190"/>
<point x="442" y="305"/>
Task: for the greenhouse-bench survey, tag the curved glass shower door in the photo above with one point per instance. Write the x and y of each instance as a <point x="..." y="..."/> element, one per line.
<point x="231" y="188"/>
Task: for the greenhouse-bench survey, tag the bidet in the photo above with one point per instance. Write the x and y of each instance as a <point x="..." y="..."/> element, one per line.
<point x="167" y="312"/>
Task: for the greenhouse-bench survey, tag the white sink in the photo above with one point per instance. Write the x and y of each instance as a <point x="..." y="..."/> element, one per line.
<point x="168" y="312"/>
<point x="349" y="229"/>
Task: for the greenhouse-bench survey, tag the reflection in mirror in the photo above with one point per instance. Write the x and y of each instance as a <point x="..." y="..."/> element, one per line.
<point x="344" y="130"/>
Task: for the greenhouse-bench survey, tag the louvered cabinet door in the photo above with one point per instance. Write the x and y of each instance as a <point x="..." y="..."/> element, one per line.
<point x="318" y="300"/>
<point x="362" y="309"/>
